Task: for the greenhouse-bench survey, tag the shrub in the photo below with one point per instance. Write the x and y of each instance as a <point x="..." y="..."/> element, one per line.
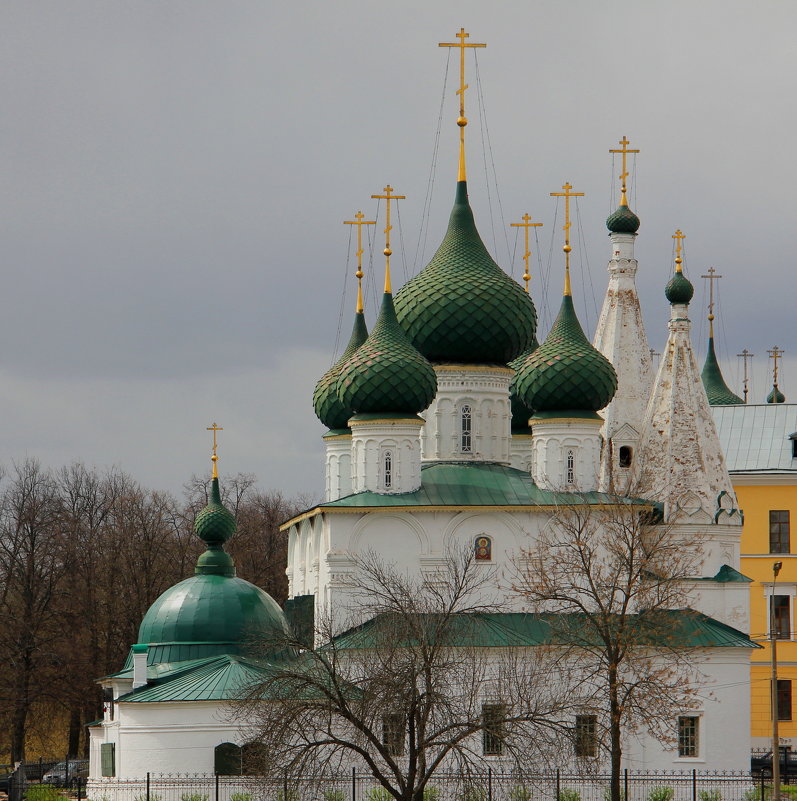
<point x="290" y="795"/>
<point x="661" y="793"/>
<point x="332" y="795"/>
<point x="519" y="793"/>
<point x="431" y="794"/>
<point x="42" y="792"/>
<point x="239" y="797"/>
<point x="378" y="794"/>
<point x="607" y="794"/>
<point x="194" y="797"/>
<point x="710" y="795"/>
<point x="473" y="792"/>
<point x="569" y="794"/>
<point x="143" y="797"/>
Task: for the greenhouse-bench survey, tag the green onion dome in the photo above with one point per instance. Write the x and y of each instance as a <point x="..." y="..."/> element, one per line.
<point x="679" y="289"/>
<point x="520" y="412"/>
<point x="776" y="396"/>
<point x="717" y="391"/>
<point x="328" y="408"/>
<point x="213" y="612"/>
<point x="387" y="374"/>
<point x="462" y="307"/>
<point x="566" y="373"/>
<point x="622" y="221"/>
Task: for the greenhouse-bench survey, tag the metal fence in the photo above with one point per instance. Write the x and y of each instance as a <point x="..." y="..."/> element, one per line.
<point x="491" y="786"/>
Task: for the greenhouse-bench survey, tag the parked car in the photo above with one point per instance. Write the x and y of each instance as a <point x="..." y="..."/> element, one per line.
<point x="67" y="773"/>
<point x="761" y="764"/>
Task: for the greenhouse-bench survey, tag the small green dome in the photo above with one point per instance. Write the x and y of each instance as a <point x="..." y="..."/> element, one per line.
<point x="520" y="412"/>
<point x="566" y="373"/>
<point x="462" y="307"/>
<point x="386" y="374"/>
<point x="328" y="408"/>
<point x="679" y="289"/>
<point x="776" y="396"/>
<point x="717" y="391"/>
<point x="622" y="221"/>
<point x="215" y="524"/>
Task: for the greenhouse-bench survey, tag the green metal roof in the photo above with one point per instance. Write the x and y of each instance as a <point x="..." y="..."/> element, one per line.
<point x="718" y="392"/>
<point x="622" y="221"/>
<point x="678" y="628"/>
<point x="566" y="372"/>
<point x="462" y="307"/>
<point x="328" y="408"/>
<point x="727" y="574"/>
<point x="386" y="373"/>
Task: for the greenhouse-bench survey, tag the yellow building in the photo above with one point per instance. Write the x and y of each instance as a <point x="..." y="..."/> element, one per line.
<point x="760" y="445"/>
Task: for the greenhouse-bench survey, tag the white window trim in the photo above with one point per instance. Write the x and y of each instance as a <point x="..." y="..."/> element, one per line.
<point x="779" y="589"/>
<point x="701" y="737"/>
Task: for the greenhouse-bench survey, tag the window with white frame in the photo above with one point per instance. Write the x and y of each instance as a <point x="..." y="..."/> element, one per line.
<point x="466" y="428"/>
<point x="688" y="736"/>
<point x="387" y="469"/>
<point x="570" y="472"/>
<point x="779" y="599"/>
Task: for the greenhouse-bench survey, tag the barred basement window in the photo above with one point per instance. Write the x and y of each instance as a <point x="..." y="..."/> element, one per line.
<point x="586" y="732"/>
<point x="688" y="736"/>
<point x="571" y="467"/>
<point x="393" y="726"/>
<point x="779" y="531"/>
<point x="466" y="423"/>
<point x="493" y="729"/>
<point x="387" y="469"/>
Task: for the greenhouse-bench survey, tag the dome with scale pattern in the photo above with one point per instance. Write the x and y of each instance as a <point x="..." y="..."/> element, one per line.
<point x="520" y="412"/>
<point x="622" y="221"/>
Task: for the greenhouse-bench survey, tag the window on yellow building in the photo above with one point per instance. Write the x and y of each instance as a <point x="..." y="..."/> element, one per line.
<point x="784" y="699"/>
<point x="779" y="531"/>
<point x="780" y="611"/>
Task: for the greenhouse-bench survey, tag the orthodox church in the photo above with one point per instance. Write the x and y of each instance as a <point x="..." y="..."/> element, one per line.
<point x="451" y="427"/>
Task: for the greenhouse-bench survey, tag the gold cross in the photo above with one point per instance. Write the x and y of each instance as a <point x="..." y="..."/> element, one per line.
<point x="712" y="277"/>
<point x="775" y="354"/>
<point x="388" y="196"/>
<point x="678" y="236"/>
<point x="214" y="428"/>
<point x="525" y="225"/>
<point x="624" y="174"/>
<point x="567" y="194"/>
<point x="359" y="222"/>
<point x="745" y="355"/>
<point x="462" y="120"/>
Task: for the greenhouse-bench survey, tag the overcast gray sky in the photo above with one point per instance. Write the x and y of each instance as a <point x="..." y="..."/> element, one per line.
<point x="174" y="177"/>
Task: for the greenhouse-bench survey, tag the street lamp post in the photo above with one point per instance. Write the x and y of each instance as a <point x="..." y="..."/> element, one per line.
<point x="773" y="639"/>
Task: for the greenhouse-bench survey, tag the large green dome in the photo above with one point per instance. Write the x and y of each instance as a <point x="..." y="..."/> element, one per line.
<point x="462" y="307"/>
<point x="566" y="373"/>
<point x="520" y="412"/>
<point x="387" y="374"/>
<point x="328" y="408"/>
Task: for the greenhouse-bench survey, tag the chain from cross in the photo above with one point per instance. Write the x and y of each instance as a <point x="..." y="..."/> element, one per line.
<point x="214" y="458"/>
<point x="679" y="237"/>
<point x="745" y="355"/>
<point x="775" y="353"/>
<point x="625" y="151"/>
<point x="387" y="197"/>
<point x="525" y="225"/>
<point x="359" y="221"/>
<point x="712" y="276"/>
<point x="461" y="44"/>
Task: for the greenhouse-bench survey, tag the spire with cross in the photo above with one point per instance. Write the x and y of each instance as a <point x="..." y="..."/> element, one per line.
<point x="214" y="458"/>
<point x="679" y="237"/>
<point x="712" y="276"/>
<point x="462" y="120"/>
<point x="775" y="353"/>
<point x="745" y="355"/>
<point x="624" y="142"/>
<point x="567" y="194"/>
<point x="387" y="197"/>
<point x="525" y="225"/>
<point x="359" y="221"/>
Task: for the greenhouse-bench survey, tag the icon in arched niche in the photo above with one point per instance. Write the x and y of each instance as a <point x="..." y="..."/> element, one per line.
<point x="483" y="548"/>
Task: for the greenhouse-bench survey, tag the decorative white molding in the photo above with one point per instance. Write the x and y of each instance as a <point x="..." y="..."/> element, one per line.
<point x="386" y="455"/>
<point x="566" y="453"/>
<point x="338" y="482"/>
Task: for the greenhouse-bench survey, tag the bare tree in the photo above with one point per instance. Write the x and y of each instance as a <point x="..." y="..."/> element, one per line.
<point x="431" y="680"/>
<point x="614" y="582"/>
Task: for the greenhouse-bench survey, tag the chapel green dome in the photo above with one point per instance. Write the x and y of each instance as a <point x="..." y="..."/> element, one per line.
<point x="328" y="408"/>
<point x="776" y="396"/>
<point x="679" y="289"/>
<point x="386" y="374"/>
<point x="566" y="373"/>
<point x="520" y="412"/>
<point x="717" y="391"/>
<point x="622" y="221"/>
<point x="462" y="308"/>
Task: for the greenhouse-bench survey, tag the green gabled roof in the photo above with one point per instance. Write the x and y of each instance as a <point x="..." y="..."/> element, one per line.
<point x="386" y="373"/>
<point x="328" y="408"/>
<point x="727" y="574"/>
<point x="676" y="628"/>
<point x="718" y="392"/>
<point x="462" y="307"/>
<point x="566" y="372"/>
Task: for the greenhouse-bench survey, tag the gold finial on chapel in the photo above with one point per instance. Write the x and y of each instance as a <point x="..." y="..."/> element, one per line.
<point x="624" y="174"/>
<point x="359" y="221"/>
<point x="679" y="237"/>
<point x="387" y="197"/>
<point x="567" y="194"/>
<point x="214" y="428"/>
<point x="526" y="224"/>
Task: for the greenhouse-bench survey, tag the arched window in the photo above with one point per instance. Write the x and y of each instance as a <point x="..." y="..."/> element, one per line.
<point x="466" y="428"/>
<point x="483" y="548"/>
<point x="626" y="455"/>
<point x="227" y="759"/>
<point x="387" y="469"/>
<point x="570" y="476"/>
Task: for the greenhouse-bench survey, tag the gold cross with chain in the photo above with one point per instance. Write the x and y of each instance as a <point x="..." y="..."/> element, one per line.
<point x="462" y="120"/>
<point x="359" y="222"/>
<point x="745" y="355"/>
<point x="567" y="194"/>
<point x="525" y="225"/>
<point x="624" y="174"/>
<point x="679" y="237"/>
<point x="214" y="428"/>
<point x="775" y="353"/>
<point x="387" y="197"/>
<point x="712" y="277"/>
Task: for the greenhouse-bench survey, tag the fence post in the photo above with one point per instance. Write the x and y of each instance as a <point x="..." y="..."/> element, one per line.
<point x="147" y="785"/>
<point x="489" y="783"/>
<point x="354" y="784"/>
<point x="694" y="784"/>
<point x="78" y="788"/>
<point x="284" y="787"/>
<point x="217" y="788"/>
<point x="66" y="771"/>
<point x="558" y="785"/>
<point x="41" y="769"/>
<point x="625" y="784"/>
